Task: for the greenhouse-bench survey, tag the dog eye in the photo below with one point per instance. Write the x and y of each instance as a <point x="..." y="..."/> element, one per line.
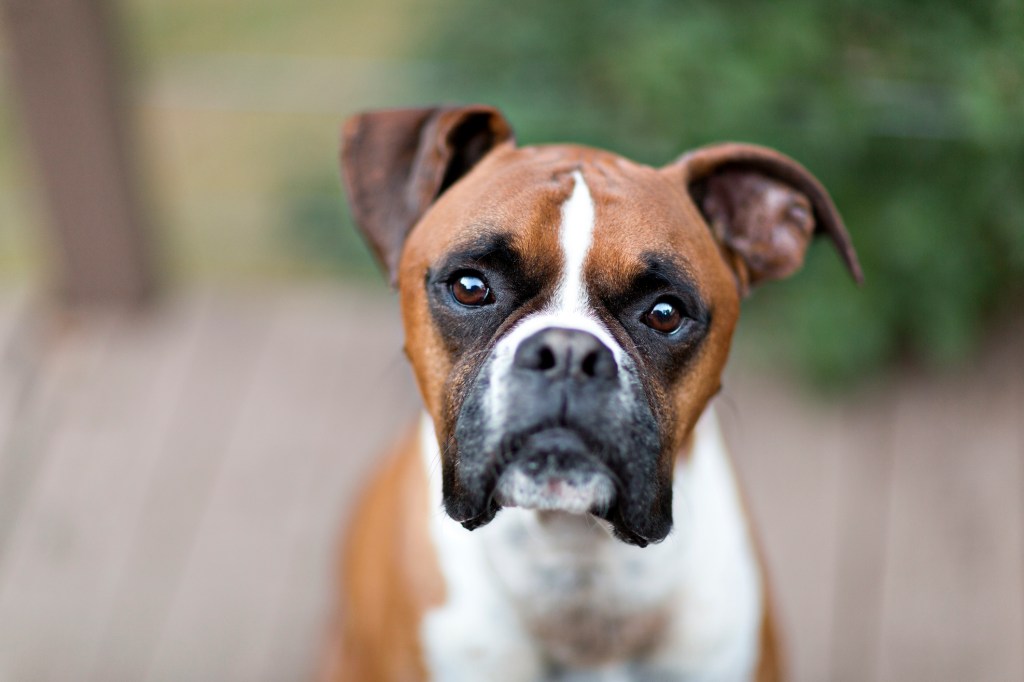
<point x="665" y="316"/>
<point x="470" y="289"/>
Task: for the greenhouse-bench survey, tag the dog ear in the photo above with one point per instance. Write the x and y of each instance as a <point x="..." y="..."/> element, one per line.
<point x="763" y="209"/>
<point x="395" y="163"/>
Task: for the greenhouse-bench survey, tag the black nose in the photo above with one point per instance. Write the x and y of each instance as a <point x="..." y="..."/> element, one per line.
<point x="566" y="353"/>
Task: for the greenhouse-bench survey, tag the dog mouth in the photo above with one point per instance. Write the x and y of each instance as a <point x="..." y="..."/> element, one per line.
<point x="555" y="470"/>
<point x="558" y="469"/>
<point x="564" y="468"/>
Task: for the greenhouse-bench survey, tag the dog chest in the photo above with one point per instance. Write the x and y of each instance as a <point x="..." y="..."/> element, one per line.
<point x="538" y="596"/>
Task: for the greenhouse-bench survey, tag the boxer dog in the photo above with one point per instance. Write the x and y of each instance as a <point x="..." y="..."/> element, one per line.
<point x="565" y="509"/>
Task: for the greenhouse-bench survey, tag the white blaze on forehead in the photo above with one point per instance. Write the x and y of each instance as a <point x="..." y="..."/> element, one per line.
<point x="575" y="237"/>
<point x="569" y="307"/>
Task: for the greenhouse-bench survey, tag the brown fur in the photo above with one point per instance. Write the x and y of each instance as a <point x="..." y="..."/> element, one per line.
<point x="771" y="664"/>
<point x="390" y="577"/>
<point x="759" y="203"/>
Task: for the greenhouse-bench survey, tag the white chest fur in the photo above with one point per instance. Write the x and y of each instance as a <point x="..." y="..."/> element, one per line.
<point x="538" y="596"/>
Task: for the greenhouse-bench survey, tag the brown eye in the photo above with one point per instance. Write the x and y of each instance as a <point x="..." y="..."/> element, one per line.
<point x="470" y="289"/>
<point x="664" y="316"/>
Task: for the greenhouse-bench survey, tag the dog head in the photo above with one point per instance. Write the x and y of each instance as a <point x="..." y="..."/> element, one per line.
<point x="568" y="312"/>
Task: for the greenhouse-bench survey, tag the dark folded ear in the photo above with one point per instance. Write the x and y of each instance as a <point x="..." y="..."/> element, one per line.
<point x="763" y="209"/>
<point x="395" y="163"/>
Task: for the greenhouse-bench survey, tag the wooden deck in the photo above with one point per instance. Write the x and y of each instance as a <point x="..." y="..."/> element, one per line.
<point x="171" y="486"/>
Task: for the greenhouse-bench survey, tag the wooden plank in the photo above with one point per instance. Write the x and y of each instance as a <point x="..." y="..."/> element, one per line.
<point x="13" y="304"/>
<point x="954" y="597"/>
<point x="74" y="531"/>
<point x="60" y="358"/>
<point x="345" y="454"/>
<point x="817" y="474"/>
<point x="788" y="458"/>
<point x="311" y="416"/>
<point x="864" y="494"/>
<point x="190" y="451"/>
<point x="19" y="361"/>
<point x="66" y="72"/>
<point x="1018" y="333"/>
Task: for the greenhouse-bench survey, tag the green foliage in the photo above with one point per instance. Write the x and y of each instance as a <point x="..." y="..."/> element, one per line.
<point x="317" y="228"/>
<point x="912" y="114"/>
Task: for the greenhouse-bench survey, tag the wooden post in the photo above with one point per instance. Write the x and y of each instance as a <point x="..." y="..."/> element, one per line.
<point x="65" y="71"/>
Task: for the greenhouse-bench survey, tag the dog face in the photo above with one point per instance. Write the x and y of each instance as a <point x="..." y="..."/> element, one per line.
<point x="568" y="313"/>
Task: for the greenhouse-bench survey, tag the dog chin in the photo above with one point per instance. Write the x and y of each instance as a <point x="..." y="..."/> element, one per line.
<point x="554" y="471"/>
<point x="573" y="492"/>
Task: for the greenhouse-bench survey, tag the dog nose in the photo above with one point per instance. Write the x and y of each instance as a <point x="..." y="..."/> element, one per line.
<point x="566" y="353"/>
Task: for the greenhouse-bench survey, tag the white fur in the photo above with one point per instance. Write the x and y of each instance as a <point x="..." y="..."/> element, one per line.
<point x="527" y="570"/>
<point x="575" y="236"/>
<point x="576" y="494"/>
<point x="475" y="635"/>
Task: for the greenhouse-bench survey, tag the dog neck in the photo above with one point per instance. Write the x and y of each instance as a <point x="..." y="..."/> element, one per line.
<point x="535" y="593"/>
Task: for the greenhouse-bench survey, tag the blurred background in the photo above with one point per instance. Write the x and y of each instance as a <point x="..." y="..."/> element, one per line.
<point x="199" y="362"/>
